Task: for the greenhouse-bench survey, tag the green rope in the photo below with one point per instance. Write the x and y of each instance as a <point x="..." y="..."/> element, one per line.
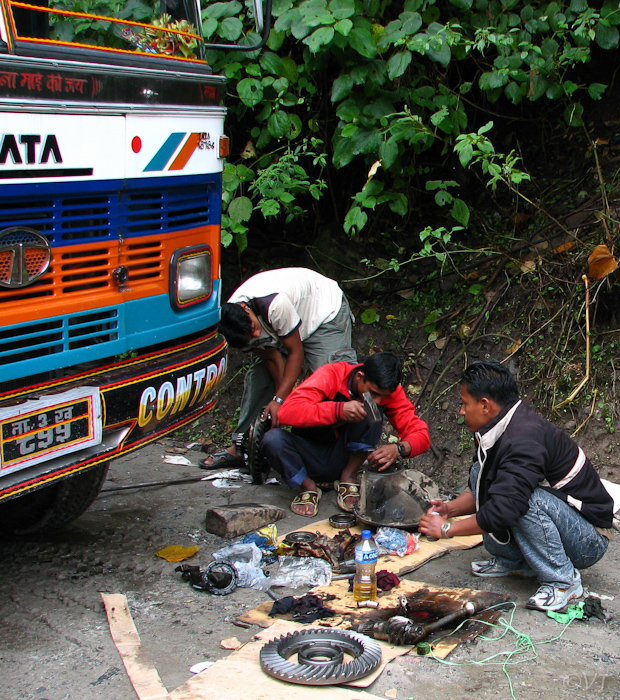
<point x="524" y="651"/>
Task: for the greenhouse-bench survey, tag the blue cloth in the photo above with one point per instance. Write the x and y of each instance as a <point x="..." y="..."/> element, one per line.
<point x="302" y="453"/>
<point x="552" y="538"/>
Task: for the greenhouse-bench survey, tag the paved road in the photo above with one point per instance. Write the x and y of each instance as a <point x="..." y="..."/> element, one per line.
<point x="55" y="642"/>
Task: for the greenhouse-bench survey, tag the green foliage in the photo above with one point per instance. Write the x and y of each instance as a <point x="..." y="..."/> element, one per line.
<point x="273" y="189"/>
<point x="398" y="84"/>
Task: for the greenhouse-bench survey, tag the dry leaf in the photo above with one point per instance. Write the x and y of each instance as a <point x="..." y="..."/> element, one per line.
<point x="439" y="343"/>
<point x="528" y="266"/>
<point x="564" y="247"/>
<point x="373" y="169"/>
<point x="230" y="643"/>
<point x="463" y="331"/>
<point x="249" y="151"/>
<point x="514" y="347"/>
<point x="176" y="552"/>
<point x="601" y="262"/>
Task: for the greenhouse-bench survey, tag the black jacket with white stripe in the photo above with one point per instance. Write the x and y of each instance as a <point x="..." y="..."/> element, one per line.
<point x="520" y="451"/>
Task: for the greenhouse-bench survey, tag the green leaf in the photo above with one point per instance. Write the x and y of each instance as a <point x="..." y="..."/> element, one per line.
<point x="398" y="64"/>
<point x="369" y="316"/>
<point x="341" y="9"/>
<point x="355" y="220"/>
<point x="208" y="27"/>
<point x="596" y="90"/>
<point x="442" y="197"/>
<point x="344" y="27"/>
<point x="606" y="36"/>
<point x="341" y="87"/>
<point x="318" y="38"/>
<point x="223" y="9"/>
<point x="462" y="4"/>
<point x="230" y="28"/>
<point x="250" y="91"/>
<point x="278" y="124"/>
<point x="515" y="92"/>
<point x="388" y="152"/>
<point x="271" y="63"/>
<point x="360" y="40"/>
<point x="240" y="209"/>
<point x="399" y="205"/>
<point x="294" y="127"/>
<point x="460" y="212"/>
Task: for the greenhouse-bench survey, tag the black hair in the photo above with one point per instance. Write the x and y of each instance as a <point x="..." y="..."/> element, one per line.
<point x="490" y="379"/>
<point x="383" y="369"/>
<point x="235" y="325"/>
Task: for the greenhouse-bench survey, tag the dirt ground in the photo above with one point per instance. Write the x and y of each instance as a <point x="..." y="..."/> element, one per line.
<point x="55" y="641"/>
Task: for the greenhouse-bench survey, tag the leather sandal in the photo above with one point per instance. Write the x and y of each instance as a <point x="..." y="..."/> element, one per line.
<point x="346" y="490"/>
<point x="308" y="498"/>
<point x="221" y="459"/>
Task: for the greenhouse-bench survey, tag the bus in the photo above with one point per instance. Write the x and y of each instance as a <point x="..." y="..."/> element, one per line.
<point x="111" y="157"/>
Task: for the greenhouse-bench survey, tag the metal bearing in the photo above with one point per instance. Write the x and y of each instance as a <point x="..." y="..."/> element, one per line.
<point x="302" y="536"/>
<point x="321" y="654"/>
<point x="341" y="521"/>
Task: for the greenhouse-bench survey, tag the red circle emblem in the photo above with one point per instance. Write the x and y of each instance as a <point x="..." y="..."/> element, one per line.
<point x="136" y="144"/>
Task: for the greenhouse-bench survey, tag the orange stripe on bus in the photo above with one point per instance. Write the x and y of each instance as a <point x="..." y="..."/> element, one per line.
<point x="186" y="152"/>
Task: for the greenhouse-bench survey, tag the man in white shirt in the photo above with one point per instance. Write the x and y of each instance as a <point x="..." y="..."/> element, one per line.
<point x="282" y="316"/>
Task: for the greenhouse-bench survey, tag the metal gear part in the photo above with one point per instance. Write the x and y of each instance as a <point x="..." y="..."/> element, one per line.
<point x="258" y="465"/>
<point x="321" y="655"/>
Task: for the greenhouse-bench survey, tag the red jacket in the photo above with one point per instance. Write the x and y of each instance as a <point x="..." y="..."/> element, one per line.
<point x="319" y="401"/>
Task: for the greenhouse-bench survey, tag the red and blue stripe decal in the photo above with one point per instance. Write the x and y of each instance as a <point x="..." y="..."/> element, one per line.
<point x="161" y="160"/>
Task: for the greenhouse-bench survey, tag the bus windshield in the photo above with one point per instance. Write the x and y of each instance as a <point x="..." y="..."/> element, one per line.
<point x="158" y="28"/>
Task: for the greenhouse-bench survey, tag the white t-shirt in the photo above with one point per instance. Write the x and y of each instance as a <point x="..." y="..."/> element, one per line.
<point x="289" y="299"/>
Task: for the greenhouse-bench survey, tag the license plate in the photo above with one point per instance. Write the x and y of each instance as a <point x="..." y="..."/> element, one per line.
<point x="49" y="427"/>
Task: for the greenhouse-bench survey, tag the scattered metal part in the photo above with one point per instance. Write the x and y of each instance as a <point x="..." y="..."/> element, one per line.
<point x="321" y="653"/>
<point x="423" y="648"/>
<point x="222" y="577"/>
<point x="219" y="578"/>
<point x="146" y="484"/>
<point x="302" y="536"/>
<point x="341" y="521"/>
<point x="271" y="594"/>
<point x="373" y="412"/>
<point x="257" y="464"/>
<point x="400" y="630"/>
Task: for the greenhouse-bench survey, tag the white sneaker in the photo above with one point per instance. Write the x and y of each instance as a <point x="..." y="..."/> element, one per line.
<point x="490" y="568"/>
<point x="549" y="597"/>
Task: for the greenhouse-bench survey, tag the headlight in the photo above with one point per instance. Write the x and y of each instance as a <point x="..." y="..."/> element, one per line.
<point x="190" y="276"/>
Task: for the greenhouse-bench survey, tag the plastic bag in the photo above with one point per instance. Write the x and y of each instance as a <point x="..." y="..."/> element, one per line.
<point x="246" y="558"/>
<point x="294" y="572"/>
<point x="246" y="552"/>
<point x="390" y="540"/>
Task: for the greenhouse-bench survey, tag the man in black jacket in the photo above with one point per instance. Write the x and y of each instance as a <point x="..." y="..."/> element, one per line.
<point x="535" y="496"/>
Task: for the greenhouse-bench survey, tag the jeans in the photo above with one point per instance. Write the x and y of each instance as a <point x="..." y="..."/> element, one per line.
<point x="315" y="452"/>
<point x="331" y="342"/>
<point x="552" y="538"/>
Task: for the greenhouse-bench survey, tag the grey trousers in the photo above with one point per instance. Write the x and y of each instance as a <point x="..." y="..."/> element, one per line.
<point x="331" y="342"/>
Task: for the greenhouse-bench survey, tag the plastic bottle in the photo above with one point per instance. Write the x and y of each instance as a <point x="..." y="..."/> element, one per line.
<point x="365" y="581"/>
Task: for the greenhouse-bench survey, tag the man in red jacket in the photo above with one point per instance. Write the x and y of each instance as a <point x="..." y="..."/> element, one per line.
<point x="332" y="436"/>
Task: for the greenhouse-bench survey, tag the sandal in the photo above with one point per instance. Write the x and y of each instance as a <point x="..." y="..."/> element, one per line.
<point x="221" y="459"/>
<point x="346" y="490"/>
<point x="306" y="498"/>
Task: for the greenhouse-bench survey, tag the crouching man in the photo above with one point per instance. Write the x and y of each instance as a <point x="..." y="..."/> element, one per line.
<point x="536" y="497"/>
<point x="332" y="435"/>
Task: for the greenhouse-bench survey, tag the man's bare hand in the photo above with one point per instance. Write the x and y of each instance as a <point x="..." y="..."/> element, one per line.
<point x="439" y="508"/>
<point x="430" y="524"/>
<point x="383" y="457"/>
<point x="353" y="412"/>
<point x="271" y="410"/>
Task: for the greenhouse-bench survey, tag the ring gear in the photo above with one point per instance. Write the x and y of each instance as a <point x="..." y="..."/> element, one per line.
<point x="321" y="654"/>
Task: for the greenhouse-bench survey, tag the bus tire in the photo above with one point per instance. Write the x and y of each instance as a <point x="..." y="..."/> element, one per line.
<point x="53" y="507"/>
